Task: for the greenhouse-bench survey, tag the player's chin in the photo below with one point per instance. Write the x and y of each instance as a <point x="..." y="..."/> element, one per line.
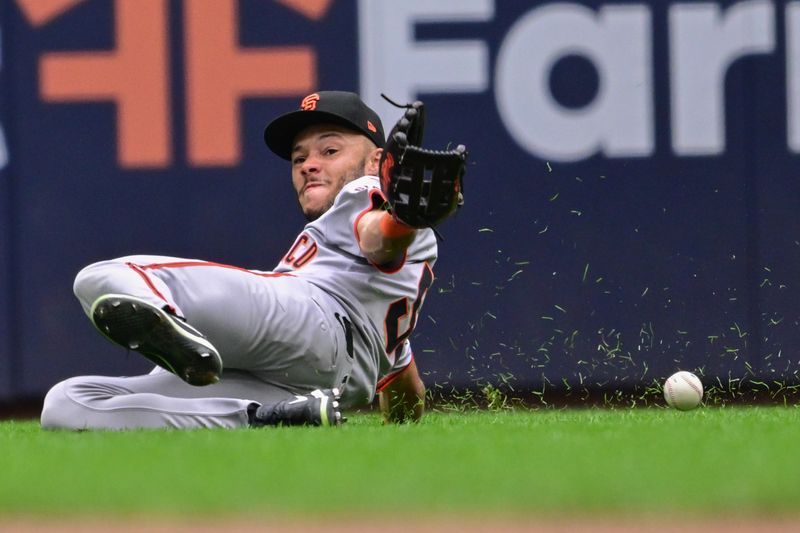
<point x="312" y="211"/>
<point x="312" y="214"/>
<point x="313" y="207"/>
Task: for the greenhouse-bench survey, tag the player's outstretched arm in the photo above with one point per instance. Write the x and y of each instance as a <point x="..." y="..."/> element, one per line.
<point x="382" y="239"/>
<point x="403" y="400"/>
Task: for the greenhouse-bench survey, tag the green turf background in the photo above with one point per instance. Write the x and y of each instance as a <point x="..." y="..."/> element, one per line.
<point x="709" y="461"/>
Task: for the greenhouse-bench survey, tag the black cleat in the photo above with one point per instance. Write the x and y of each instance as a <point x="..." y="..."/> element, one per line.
<point x="319" y="408"/>
<point x="162" y="337"/>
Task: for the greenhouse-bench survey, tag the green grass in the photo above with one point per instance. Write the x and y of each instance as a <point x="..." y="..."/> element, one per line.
<point x="713" y="460"/>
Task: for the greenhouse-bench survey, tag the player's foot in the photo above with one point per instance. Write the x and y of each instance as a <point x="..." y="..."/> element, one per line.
<point x="319" y="408"/>
<point x="160" y="336"/>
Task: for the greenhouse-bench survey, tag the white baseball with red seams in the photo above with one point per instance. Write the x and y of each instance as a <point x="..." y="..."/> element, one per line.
<point x="683" y="391"/>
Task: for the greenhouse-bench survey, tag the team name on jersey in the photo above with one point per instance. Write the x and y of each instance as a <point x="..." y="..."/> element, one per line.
<point x="302" y="251"/>
<point x="361" y="188"/>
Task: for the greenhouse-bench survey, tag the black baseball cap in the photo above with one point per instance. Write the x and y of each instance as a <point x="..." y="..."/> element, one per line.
<point x="335" y="107"/>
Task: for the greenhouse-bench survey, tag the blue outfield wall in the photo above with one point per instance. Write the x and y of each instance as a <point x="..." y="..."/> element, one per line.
<point x="631" y="198"/>
<point x="5" y="235"/>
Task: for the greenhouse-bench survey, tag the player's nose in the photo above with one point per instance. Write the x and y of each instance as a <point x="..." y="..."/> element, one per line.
<point x="310" y="166"/>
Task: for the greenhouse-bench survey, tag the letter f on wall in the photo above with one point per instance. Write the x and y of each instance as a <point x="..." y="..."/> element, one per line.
<point x="135" y="75"/>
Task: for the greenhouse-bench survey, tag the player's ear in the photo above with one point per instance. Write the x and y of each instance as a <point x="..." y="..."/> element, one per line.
<point x="373" y="162"/>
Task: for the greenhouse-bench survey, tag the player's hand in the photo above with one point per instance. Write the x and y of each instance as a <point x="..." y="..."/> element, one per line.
<point x="423" y="187"/>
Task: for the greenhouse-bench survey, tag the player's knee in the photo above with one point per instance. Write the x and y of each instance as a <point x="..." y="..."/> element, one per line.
<point x="59" y="411"/>
<point x="83" y="286"/>
<point x="103" y="277"/>
<point x="91" y="282"/>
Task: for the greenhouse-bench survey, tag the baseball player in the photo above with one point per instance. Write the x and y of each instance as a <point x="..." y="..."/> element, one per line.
<point x="328" y="328"/>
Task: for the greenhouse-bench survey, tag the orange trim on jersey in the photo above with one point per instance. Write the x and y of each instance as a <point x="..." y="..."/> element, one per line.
<point x="387" y="380"/>
<point x="386" y="269"/>
<point x="372" y="195"/>
<point x="182" y="264"/>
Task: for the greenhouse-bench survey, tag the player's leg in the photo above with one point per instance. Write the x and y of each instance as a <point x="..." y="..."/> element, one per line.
<point x="281" y="328"/>
<point x="162" y="400"/>
<point x="124" y="276"/>
<point x="138" y="312"/>
<point x="150" y="401"/>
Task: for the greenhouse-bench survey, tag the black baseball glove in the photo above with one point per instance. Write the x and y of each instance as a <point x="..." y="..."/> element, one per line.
<point x="423" y="187"/>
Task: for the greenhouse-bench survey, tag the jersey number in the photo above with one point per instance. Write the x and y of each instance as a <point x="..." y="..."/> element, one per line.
<point x="399" y="309"/>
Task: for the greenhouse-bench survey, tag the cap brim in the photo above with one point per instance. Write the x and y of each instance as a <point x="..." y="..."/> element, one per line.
<point x="281" y="132"/>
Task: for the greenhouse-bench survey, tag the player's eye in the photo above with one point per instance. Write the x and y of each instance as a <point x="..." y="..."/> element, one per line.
<point x="298" y="160"/>
<point x="330" y="151"/>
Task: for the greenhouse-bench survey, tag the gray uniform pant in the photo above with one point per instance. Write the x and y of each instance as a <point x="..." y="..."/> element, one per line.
<point x="277" y="335"/>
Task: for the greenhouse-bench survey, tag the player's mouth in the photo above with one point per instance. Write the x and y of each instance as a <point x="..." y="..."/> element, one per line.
<point x="312" y="185"/>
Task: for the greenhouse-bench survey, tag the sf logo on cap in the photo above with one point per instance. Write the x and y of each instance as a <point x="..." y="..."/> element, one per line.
<point x="309" y="103"/>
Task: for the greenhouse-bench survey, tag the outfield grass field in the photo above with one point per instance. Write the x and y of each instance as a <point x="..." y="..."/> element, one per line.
<point x="712" y="461"/>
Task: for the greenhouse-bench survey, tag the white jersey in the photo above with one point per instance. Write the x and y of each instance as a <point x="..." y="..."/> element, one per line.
<point x="383" y="304"/>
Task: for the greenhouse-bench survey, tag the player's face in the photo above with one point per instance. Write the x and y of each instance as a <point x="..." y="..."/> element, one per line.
<point x="325" y="157"/>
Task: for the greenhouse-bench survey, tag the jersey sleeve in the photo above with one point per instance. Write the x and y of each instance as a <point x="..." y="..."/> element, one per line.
<point x="339" y="225"/>
<point x="404" y="358"/>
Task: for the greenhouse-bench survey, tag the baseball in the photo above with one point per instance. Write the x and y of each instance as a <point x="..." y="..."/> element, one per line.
<point x="683" y="391"/>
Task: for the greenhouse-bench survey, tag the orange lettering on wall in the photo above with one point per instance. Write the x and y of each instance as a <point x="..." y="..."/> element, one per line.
<point x="219" y="73"/>
<point x="135" y="76"/>
<point x="313" y="9"/>
<point x="40" y="12"/>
